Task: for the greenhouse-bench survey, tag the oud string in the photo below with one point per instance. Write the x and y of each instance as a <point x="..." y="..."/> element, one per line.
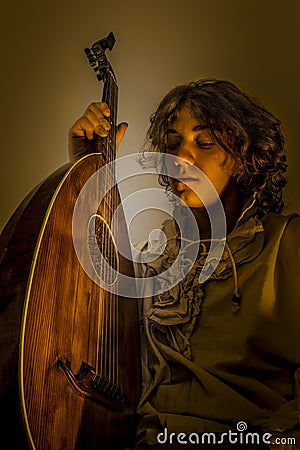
<point x="114" y="302"/>
<point x="109" y="347"/>
<point x="110" y="199"/>
<point x="107" y="298"/>
<point x="103" y="309"/>
<point x="112" y="203"/>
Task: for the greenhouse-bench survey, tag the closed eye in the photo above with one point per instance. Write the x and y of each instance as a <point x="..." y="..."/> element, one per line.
<point x="205" y="145"/>
<point x="173" y="146"/>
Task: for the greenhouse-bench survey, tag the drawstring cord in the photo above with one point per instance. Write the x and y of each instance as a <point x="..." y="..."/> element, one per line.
<point x="249" y="207"/>
<point x="236" y="297"/>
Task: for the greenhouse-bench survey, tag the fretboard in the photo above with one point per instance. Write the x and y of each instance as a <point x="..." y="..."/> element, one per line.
<point x="110" y="96"/>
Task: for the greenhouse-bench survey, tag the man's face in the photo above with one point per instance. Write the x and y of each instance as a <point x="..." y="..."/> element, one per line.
<point x="187" y="138"/>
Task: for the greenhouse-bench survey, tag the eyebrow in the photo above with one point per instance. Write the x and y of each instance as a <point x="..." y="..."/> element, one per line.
<point x="195" y="129"/>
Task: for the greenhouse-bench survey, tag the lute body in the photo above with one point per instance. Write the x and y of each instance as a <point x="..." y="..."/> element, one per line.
<point x="70" y="370"/>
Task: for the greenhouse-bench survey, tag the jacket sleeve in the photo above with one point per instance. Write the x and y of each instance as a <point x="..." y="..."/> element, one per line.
<point x="285" y="423"/>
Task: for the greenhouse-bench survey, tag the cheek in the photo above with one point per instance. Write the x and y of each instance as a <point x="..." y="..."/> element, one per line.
<point x="228" y="165"/>
<point x="169" y="167"/>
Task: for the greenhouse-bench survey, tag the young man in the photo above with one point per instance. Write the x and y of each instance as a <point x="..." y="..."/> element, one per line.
<point x="223" y="352"/>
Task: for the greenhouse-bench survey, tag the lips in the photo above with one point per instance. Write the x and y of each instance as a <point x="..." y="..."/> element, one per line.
<point x="180" y="184"/>
<point x="185" y="179"/>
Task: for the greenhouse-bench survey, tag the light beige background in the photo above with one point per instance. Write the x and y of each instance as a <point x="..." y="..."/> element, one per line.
<point x="46" y="82"/>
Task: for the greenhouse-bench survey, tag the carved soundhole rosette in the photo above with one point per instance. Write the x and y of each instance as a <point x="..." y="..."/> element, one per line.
<point x="102" y="249"/>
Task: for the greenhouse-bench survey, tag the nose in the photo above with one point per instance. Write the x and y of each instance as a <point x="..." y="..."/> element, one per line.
<point x="178" y="163"/>
<point x="181" y="164"/>
<point x="185" y="156"/>
<point x="185" y="152"/>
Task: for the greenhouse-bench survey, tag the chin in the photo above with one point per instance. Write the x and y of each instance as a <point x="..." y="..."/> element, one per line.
<point x="190" y="199"/>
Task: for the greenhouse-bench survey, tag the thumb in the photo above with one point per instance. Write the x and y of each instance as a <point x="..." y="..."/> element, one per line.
<point x="121" y="129"/>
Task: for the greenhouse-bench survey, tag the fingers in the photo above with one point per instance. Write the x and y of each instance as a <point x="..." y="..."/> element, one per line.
<point x="95" y="120"/>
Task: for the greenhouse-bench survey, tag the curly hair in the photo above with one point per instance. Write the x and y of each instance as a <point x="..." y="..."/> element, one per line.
<point x="243" y="128"/>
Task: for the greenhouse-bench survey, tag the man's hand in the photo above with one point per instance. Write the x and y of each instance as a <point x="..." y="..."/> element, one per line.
<point x="85" y="132"/>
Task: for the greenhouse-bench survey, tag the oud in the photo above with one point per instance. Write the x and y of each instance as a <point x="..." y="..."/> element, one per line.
<point x="70" y="362"/>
